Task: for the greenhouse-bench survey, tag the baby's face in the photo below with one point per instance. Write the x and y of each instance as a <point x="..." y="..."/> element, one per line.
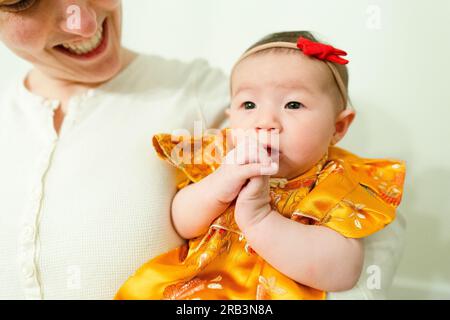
<point x="292" y="94"/>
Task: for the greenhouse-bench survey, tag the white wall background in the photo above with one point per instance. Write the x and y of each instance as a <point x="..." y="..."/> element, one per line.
<point x="399" y="83"/>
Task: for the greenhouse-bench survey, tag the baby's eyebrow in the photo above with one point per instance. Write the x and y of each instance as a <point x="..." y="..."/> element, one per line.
<point x="242" y="89"/>
<point x="296" y="86"/>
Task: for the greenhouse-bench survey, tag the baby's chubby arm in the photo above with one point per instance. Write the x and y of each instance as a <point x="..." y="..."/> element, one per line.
<point x="316" y="256"/>
<point x="196" y="206"/>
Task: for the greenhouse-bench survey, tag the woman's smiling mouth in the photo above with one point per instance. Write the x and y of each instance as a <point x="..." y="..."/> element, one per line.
<point x="88" y="48"/>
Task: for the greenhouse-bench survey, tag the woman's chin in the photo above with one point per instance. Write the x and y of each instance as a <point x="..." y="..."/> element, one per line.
<point x="100" y="64"/>
<point x="87" y="76"/>
<point x="100" y="72"/>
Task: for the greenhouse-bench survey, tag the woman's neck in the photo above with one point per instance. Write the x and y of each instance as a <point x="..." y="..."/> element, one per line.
<point x="50" y="87"/>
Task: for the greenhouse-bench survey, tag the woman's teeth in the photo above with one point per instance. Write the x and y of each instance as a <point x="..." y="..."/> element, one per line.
<point x="86" y="46"/>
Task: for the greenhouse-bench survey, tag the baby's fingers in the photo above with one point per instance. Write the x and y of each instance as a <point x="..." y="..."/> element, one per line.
<point x="248" y="151"/>
<point x="255" y="188"/>
<point x="251" y="170"/>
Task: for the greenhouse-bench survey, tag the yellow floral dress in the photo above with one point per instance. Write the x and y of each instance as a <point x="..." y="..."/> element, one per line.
<point x="351" y="195"/>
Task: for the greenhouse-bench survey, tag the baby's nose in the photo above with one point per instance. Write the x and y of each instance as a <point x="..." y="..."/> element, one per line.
<point x="266" y="128"/>
<point x="268" y="125"/>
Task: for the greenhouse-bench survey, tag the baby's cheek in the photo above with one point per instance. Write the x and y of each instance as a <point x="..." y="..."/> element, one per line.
<point x="239" y="122"/>
<point x="306" y="147"/>
<point x="302" y="150"/>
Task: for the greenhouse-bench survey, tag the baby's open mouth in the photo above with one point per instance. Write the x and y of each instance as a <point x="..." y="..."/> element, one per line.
<point x="272" y="151"/>
<point x="87" y="48"/>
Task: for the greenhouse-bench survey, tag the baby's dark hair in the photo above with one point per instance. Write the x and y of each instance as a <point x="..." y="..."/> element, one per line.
<point x="292" y="36"/>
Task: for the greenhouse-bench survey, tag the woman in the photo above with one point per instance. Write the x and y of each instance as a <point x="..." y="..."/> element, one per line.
<point x="83" y="199"/>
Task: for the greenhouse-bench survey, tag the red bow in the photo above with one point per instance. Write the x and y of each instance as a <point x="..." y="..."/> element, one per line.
<point x="321" y="51"/>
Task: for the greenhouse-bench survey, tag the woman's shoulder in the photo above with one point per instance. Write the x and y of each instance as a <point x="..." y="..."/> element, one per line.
<point x="175" y="67"/>
<point x="10" y="93"/>
<point x="150" y="72"/>
<point x="11" y="88"/>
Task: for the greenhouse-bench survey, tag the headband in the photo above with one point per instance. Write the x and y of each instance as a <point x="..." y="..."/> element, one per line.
<point x="324" y="52"/>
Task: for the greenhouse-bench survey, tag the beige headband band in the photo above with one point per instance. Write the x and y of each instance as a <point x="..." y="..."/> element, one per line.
<point x="290" y="45"/>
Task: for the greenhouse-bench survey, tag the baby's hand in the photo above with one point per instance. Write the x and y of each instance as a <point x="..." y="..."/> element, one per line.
<point x="246" y="161"/>
<point x="253" y="203"/>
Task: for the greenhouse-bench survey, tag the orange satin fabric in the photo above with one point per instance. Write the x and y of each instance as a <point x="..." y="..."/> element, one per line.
<point x="351" y="195"/>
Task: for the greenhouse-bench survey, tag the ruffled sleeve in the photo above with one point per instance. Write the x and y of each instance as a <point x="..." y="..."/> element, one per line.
<point x="355" y="196"/>
<point x="196" y="157"/>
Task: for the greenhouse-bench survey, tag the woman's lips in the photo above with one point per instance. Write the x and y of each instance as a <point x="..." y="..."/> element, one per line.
<point x="91" y="54"/>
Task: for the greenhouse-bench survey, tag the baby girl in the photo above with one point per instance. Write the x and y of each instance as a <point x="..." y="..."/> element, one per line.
<point x="280" y="220"/>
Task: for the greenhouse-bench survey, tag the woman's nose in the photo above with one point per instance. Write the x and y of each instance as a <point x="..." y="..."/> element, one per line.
<point x="79" y="19"/>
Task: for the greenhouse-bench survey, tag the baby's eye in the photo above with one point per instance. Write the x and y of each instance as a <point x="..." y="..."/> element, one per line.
<point x="248" y="105"/>
<point x="293" y="105"/>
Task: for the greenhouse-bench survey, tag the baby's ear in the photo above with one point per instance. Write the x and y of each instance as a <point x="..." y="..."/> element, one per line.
<point x="343" y="122"/>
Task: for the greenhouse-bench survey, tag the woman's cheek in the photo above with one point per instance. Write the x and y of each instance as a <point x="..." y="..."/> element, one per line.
<point x="23" y="34"/>
<point x="108" y="4"/>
